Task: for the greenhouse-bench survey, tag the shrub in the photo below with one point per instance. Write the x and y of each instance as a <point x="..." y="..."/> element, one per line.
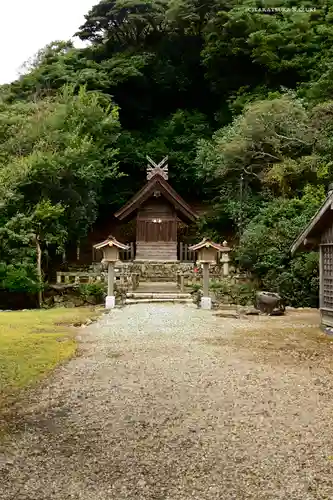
<point x="19" y="278"/>
<point x="237" y="293"/>
<point x="264" y="250"/>
<point x="96" y="290"/>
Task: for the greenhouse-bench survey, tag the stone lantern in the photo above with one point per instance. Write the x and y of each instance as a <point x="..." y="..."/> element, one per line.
<point x="110" y="249"/>
<point x="207" y="254"/>
<point x="225" y="258"/>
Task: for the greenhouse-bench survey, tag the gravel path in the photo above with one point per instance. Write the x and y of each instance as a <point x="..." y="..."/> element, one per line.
<point x="168" y="402"/>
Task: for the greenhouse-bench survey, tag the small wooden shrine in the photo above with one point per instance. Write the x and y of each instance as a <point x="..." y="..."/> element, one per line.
<point x="318" y="235"/>
<point x="158" y="209"/>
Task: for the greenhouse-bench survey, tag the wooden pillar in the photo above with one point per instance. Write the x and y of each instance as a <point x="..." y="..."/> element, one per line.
<point x="321" y="278"/>
<point x="111" y="279"/>
<point x="205" y="278"/>
<point x="206" y="301"/>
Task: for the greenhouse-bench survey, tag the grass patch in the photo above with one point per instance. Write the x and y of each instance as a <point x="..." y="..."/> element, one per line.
<point x="33" y="343"/>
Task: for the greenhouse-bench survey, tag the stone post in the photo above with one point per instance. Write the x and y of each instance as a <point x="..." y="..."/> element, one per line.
<point x="110" y="300"/>
<point x="206" y="301"/>
<point x="225" y="261"/>
<point x="182" y="287"/>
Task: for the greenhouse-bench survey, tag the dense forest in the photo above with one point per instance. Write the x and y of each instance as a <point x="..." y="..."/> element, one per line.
<point x="238" y="93"/>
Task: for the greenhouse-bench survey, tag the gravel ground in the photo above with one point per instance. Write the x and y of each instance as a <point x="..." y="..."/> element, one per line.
<point x="168" y="402"/>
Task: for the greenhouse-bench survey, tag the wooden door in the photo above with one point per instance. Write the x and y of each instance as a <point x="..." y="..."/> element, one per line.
<point x="163" y="230"/>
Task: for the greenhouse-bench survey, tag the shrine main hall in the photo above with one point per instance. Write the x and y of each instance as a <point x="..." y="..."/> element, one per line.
<point x="158" y="210"/>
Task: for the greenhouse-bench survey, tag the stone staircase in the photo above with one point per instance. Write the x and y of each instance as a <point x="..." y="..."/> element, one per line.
<point x="158" y="292"/>
<point x="159" y="251"/>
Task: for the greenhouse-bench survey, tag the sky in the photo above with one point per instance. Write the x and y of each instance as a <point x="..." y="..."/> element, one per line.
<point x="36" y="23"/>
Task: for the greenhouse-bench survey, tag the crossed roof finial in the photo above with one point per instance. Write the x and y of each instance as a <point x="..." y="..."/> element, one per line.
<point x="160" y="168"/>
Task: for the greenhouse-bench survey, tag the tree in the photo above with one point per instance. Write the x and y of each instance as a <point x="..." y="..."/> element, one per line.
<point x="124" y="23"/>
<point x="266" y="133"/>
<point x="41" y="227"/>
<point x="264" y="248"/>
<point x="55" y="156"/>
<point x="62" y="149"/>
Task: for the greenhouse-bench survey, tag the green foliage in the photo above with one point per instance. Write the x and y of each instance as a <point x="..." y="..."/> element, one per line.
<point x="67" y="150"/>
<point x="266" y="133"/>
<point x="66" y="147"/>
<point x="230" y="291"/>
<point x="227" y="91"/>
<point x="297" y="282"/>
<point x="96" y="290"/>
<point x="264" y="249"/>
<point x="18" y="278"/>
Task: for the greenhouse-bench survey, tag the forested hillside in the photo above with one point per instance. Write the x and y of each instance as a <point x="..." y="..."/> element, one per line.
<point x="238" y="93"/>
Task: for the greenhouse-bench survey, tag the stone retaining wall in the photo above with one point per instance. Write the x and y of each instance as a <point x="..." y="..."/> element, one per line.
<point x="161" y="270"/>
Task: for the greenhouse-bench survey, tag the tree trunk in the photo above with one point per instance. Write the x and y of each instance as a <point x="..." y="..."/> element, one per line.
<point x="39" y="271"/>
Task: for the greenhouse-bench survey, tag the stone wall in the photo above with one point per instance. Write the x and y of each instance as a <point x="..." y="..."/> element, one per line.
<point x="166" y="271"/>
<point x="130" y="274"/>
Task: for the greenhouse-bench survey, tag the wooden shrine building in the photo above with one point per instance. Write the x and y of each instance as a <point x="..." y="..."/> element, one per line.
<point x="318" y="234"/>
<point x="158" y="209"/>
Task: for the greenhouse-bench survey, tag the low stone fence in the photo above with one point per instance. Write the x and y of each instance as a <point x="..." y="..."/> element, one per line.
<point x="83" y="277"/>
<point x="79" y="277"/>
<point x="169" y="271"/>
<point x="129" y="274"/>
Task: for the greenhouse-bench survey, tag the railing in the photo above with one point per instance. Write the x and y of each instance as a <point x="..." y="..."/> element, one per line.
<point x="126" y="255"/>
<point x="80" y="277"/>
<point x="184" y="254"/>
<point x="185" y="280"/>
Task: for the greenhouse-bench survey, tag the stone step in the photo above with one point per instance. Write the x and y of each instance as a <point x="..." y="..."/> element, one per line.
<point x="156" y="257"/>
<point x="160" y="295"/>
<point x="157" y="287"/>
<point x="158" y="279"/>
<point x="158" y="283"/>
<point x="159" y="300"/>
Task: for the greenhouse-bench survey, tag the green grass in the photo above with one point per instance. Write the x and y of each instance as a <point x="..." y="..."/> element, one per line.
<point x="33" y="343"/>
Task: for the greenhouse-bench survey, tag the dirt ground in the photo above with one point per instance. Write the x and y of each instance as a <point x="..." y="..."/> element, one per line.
<point x="167" y="402"/>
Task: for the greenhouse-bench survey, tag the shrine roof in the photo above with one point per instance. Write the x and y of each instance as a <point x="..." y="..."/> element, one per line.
<point x="111" y="241"/>
<point x="157" y="183"/>
<point x="206" y="242"/>
<point x="310" y="236"/>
